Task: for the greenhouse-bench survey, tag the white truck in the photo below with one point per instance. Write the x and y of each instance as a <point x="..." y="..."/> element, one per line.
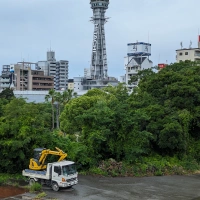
<point x="57" y="175"/>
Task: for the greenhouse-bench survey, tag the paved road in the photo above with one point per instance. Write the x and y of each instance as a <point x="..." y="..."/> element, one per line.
<point x="146" y="188"/>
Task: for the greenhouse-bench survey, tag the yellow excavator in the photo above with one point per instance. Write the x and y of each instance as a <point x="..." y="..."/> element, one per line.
<point x="40" y="154"/>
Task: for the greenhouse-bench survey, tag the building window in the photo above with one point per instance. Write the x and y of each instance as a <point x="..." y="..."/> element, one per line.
<point x="186" y="53"/>
<point x="180" y="54"/>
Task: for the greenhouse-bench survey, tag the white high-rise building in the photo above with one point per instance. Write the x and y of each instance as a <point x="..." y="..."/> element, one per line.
<point x="58" y="69"/>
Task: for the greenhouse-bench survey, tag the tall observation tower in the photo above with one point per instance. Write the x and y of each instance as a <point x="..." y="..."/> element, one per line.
<point x="98" y="67"/>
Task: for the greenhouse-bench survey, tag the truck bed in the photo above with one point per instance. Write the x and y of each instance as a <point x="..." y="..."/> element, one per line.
<point x="36" y="174"/>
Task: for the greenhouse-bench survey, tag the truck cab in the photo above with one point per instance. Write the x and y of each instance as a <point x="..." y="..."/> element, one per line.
<point x="64" y="174"/>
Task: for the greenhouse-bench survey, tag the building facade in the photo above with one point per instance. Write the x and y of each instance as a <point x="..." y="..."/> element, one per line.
<point x="192" y="54"/>
<point x="41" y="82"/>
<point x="71" y="84"/>
<point x="5" y="78"/>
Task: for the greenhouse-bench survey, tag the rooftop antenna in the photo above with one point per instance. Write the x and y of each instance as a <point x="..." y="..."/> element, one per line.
<point x="50" y="45"/>
<point x="148" y="36"/>
<point x="190" y="44"/>
<point x="181" y="45"/>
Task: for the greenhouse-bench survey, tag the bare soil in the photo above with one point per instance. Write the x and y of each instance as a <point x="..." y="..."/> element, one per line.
<point x="8" y="191"/>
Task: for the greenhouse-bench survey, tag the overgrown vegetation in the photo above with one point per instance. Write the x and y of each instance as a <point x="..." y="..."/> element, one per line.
<point x="10" y="179"/>
<point x="35" y="187"/>
<point x="155" y="130"/>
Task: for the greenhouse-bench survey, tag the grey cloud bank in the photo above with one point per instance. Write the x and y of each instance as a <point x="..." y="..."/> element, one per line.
<point x="29" y="26"/>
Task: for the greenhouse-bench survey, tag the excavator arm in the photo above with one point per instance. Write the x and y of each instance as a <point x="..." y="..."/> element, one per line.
<point x="38" y="162"/>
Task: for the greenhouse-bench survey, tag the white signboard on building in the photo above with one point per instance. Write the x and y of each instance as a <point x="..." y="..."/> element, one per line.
<point x="139" y="48"/>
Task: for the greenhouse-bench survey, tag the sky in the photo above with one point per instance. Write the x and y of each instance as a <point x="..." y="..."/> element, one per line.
<point x="29" y="28"/>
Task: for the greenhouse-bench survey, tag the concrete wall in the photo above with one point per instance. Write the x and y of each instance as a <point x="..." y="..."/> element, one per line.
<point x="37" y="96"/>
<point x="32" y="96"/>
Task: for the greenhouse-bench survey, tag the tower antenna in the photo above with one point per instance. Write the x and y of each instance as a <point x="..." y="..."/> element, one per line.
<point x="181" y="43"/>
<point x="190" y="46"/>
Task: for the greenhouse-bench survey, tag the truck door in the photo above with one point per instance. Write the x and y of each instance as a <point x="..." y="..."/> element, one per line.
<point x="56" y="174"/>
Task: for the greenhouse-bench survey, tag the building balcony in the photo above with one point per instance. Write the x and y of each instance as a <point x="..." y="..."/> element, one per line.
<point x="43" y="81"/>
<point x="35" y="87"/>
<point x="4" y="80"/>
<point x="3" y="85"/>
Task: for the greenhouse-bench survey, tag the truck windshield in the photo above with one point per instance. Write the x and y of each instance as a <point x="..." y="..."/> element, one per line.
<point x="69" y="169"/>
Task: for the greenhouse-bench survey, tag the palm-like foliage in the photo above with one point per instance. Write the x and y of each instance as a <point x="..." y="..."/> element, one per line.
<point x="51" y="95"/>
<point x="60" y="100"/>
<point x="67" y="96"/>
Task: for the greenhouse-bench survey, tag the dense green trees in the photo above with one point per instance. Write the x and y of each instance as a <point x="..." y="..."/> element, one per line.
<point x="23" y="127"/>
<point x="7" y="94"/>
<point x="161" y="117"/>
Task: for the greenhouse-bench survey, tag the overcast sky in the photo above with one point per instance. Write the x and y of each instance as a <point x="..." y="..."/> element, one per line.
<point x="28" y="27"/>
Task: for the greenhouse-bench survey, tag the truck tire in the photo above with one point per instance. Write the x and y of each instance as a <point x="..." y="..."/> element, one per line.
<point x="55" y="187"/>
<point x="31" y="181"/>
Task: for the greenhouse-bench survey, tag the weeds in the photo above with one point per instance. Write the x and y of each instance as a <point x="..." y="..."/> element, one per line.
<point x="35" y="187"/>
<point x="10" y="179"/>
<point x="40" y="195"/>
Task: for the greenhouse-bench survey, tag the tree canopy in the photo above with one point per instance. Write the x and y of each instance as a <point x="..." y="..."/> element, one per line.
<point x="160" y="117"/>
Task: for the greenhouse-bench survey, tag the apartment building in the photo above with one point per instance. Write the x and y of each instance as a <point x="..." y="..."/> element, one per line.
<point x="57" y="69"/>
<point x="21" y="77"/>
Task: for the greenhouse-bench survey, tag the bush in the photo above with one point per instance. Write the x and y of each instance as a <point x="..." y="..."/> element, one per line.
<point x="35" y="187"/>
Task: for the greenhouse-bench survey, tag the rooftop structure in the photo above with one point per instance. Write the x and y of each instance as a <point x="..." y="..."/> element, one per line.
<point x="137" y="59"/>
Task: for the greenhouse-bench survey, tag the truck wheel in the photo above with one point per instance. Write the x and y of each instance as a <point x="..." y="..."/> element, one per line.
<point x="55" y="187"/>
<point x="31" y="181"/>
